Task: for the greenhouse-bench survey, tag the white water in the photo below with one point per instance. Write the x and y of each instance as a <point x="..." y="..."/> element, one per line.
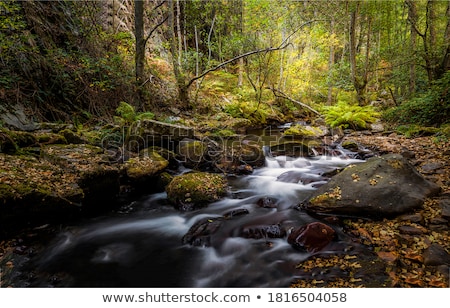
<point x="145" y="249"/>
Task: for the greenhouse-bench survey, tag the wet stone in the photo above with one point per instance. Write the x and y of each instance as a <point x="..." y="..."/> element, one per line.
<point x="267" y="202"/>
<point x="312" y="237"/>
<point x="265" y="231"/>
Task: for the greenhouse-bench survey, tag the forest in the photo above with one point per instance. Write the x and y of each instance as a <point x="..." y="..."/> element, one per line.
<point x="262" y="60"/>
<point x="318" y="131"/>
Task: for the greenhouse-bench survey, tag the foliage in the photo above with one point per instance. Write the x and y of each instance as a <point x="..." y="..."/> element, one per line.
<point x="256" y="113"/>
<point x="300" y="130"/>
<point x="345" y="115"/>
<point x="127" y="114"/>
<point x="414" y="130"/>
<point x="431" y="108"/>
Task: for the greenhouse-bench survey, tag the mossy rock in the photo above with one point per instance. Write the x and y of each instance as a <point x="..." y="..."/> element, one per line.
<point x="304" y="131"/>
<point x="145" y="166"/>
<point x="71" y="136"/>
<point x="195" y="190"/>
<point x="192" y="153"/>
<point x="7" y="143"/>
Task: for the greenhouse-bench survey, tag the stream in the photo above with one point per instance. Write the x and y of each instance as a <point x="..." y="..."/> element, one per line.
<point x="141" y="245"/>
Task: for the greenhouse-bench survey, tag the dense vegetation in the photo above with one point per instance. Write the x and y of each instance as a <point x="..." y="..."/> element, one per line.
<point x="262" y="60"/>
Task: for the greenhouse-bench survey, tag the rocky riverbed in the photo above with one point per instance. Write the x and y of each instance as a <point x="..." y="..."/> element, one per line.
<point x="50" y="190"/>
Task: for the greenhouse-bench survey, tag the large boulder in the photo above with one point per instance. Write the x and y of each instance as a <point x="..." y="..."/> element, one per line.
<point x="381" y="187"/>
<point x="67" y="180"/>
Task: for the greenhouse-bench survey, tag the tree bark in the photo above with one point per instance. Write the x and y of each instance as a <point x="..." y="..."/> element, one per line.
<point x="140" y="41"/>
<point x="412" y="16"/>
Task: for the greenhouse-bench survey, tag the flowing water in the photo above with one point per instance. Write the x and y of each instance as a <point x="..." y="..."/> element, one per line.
<point x="143" y="246"/>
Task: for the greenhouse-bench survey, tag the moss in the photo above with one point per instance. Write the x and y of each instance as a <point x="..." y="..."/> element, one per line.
<point x="145" y="166"/>
<point x="50" y="138"/>
<point x="198" y="188"/>
<point x="7" y="143"/>
<point x="71" y="136"/>
<point x="303" y="131"/>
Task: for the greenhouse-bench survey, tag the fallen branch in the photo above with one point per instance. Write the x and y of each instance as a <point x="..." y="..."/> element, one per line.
<point x="278" y="93"/>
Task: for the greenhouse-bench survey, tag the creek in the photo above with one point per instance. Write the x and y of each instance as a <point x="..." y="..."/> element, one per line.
<point x="141" y="245"/>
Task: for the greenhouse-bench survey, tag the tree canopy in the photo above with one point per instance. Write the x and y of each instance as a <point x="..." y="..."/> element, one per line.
<point x="79" y="59"/>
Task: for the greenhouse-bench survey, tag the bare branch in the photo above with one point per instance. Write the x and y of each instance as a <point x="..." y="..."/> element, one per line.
<point x="282" y="45"/>
<point x="234" y="59"/>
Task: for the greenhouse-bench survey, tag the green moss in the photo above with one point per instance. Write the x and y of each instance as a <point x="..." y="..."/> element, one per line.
<point x="411" y="131"/>
<point x="145" y="166"/>
<point x="303" y="131"/>
<point x="198" y="188"/>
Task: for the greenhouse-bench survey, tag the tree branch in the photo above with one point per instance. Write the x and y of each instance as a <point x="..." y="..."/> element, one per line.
<point x="154" y="29"/>
<point x="282" y="45"/>
<point x="278" y="93"/>
<point x="244" y="55"/>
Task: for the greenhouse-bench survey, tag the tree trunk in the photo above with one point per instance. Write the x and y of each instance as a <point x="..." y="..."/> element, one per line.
<point x="412" y="16"/>
<point x="140" y="45"/>
<point x="330" y="65"/>
<point x="357" y="83"/>
<point x="183" y="94"/>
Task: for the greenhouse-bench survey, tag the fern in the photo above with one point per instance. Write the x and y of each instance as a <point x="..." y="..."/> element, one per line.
<point x="344" y="115"/>
<point x="127" y="114"/>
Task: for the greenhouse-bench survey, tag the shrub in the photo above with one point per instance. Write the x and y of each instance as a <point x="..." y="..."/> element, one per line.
<point x="431" y="108"/>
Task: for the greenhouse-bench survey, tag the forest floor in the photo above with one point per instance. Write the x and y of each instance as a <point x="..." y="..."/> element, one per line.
<point x="414" y="248"/>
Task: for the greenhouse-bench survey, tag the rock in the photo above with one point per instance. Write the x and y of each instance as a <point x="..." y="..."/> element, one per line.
<point x="145" y="167"/>
<point x="312" y="237"/>
<point x="72" y="137"/>
<point x="200" y="233"/>
<point x="411" y="230"/>
<point x="415" y="218"/>
<point x="408" y="154"/>
<point x="15" y="118"/>
<point x="151" y="132"/>
<point x="300" y="177"/>
<point x="386" y="186"/>
<point x="445" y="206"/>
<point x="7" y="144"/>
<point x="96" y="177"/>
<point x="291" y="148"/>
<point x="263" y="231"/>
<point x="436" y="255"/>
<point x="430" y="168"/>
<point x="196" y="189"/>
<point x="193" y="153"/>
<point x="267" y="202"/>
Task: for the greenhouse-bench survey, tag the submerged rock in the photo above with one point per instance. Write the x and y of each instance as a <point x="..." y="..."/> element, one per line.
<point x="312" y="237"/>
<point x="381" y="187"/>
